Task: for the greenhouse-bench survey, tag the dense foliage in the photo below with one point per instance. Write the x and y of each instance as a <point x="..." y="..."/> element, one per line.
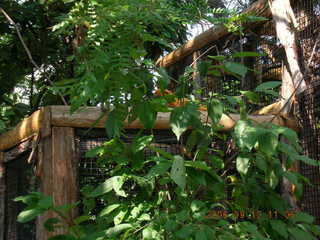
<point x="101" y="52"/>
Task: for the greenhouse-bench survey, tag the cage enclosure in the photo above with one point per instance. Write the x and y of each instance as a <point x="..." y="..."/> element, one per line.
<point x="46" y="152"/>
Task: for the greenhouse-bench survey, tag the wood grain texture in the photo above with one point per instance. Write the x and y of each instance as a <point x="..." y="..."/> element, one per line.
<point x="87" y="117"/>
<point x="58" y="172"/>
<point x="2" y="198"/>
<point x="45" y="172"/>
<point x="38" y="121"/>
<point x="65" y="168"/>
<point x="18" y="150"/>
<point x="259" y="8"/>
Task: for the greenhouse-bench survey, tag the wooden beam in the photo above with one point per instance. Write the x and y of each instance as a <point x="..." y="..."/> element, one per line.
<point x="2" y="196"/>
<point x="18" y="150"/>
<point x="259" y="8"/>
<point x="58" y="169"/>
<point x="26" y="128"/>
<point x="85" y="118"/>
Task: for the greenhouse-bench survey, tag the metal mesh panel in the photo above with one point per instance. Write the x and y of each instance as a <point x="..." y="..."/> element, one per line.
<point x="261" y="39"/>
<point x="90" y="173"/>
<point x="19" y="180"/>
<point x="309" y="116"/>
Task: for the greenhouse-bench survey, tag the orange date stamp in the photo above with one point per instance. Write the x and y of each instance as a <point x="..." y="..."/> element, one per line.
<point x="248" y="214"/>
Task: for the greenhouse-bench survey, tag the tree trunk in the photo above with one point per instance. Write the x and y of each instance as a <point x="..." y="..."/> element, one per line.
<point x="286" y="32"/>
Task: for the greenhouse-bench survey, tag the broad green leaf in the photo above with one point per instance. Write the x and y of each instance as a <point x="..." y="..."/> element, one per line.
<point x="299" y="234"/>
<point x="252" y="96"/>
<point x="114" y="183"/>
<point x="114" y="231"/>
<point x="163" y="80"/>
<point x="215" y="110"/>
<point x="268" y="85"/>
<point x="119" y="217"/>
<point x="109" y="209"/>
<point x="113" y="124"/>
<point x="302" y="217"/>
<point x="236" y="68"/>
<point x="178" y="172"/>
<point x="50" y="223"/>
<point x="185" y="232"/>
<point x="268" y="143"/>
<point x="280" y="227"/>
<point x="159" y="169"/>
<point x="217" y="162"/>
<point x="141" y="142"/>
<point x="243" y="164"/>
<point x="46" y="202"/>
<point x="307" y="160"/>
<point x="181" y="118"/>
<point x="95" y="152"/>
<point x="149" y="233"/>
<point x="146" y="114"/>
<point x="247" y="135"/>
<point x="246" y="54"/>
<point x="28" y="215"/>
<point x="261" y="163"/>
<point x="82" y="219"/>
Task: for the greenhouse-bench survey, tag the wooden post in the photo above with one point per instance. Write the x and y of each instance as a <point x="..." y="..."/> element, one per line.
<point x="2" y="196"/>
<point x="59" y="174"/>
<point x="286" y="32"/>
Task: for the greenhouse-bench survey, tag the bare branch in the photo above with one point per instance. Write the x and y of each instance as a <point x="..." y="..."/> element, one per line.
<point x="27" y="49"/>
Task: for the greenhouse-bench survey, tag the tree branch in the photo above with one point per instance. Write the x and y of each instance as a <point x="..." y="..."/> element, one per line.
<point x="27" y="49"/>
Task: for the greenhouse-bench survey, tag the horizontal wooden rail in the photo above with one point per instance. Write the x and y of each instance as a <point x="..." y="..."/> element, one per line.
<point x="259" y="8"/>
<point x="41" y="122"/>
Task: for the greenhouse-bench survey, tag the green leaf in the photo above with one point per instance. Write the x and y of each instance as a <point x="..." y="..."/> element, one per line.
<point x="215" y="110"/>
<point x="146" y="114"/>
<point x="119" y="217"/>
<point x="236" y="68"/>
<point x="141" y="142"/>
<point x="149" y="233"/>
<point x="252" y="96"/>
<point x="217" y="162"/>
<point x="280" y="227"/>
<point x="180" y="120"/>
<point x="163" y="80"/>
<point x="246" y="54"/>
<point x="95" y="152"/>
<point x="268" y="143"/>
<point x="243" y="164"/>
<point x="268" y="85"/>
<point x="159" y="169"/>
<point x="113" y="125"/>
<point x="307" y="160"/>
<point x="302" y="217"/>
<point x="114" y="183"/>
<point x="299" y="234"/>
<point x="114" y="231"/>
<point x="109" y="209"/>
<point x="28" y="215"/>
<point x="49" y="224"/>
<point x="46" y="202"/>
<point x="247" y="135"/>
<point x="218" y="58"/>
<point x="178" y="172"/>
<point x="272" y="179"/>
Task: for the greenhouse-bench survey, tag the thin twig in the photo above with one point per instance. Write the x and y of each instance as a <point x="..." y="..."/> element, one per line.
<point x="27" y="49"/>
